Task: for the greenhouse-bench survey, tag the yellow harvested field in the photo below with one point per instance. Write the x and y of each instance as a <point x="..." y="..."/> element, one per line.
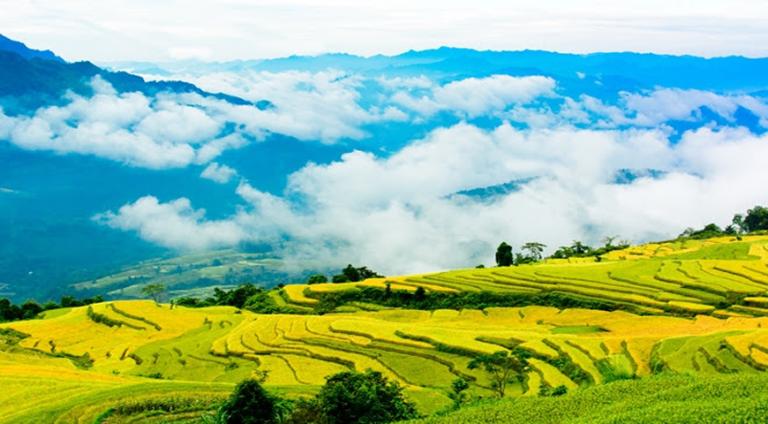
<point x="295" y="294"/>
<point x="694" y="306"/>
<point x="551" y="375"/>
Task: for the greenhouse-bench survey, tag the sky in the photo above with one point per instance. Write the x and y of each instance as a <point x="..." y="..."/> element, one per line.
<point x="148" y="30"/>
<point x="696" y="156"/>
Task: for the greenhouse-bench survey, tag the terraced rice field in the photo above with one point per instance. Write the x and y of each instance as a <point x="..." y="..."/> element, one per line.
<point x="684" y="311"/>
<point x="720" y="277"/>
<point x="210" y="349"/>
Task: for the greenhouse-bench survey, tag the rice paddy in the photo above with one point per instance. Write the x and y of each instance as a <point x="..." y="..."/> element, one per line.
<point x="681" y="313"/>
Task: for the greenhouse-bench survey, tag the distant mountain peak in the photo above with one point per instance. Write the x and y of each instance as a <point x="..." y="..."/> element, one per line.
<point x="21" y="49"/>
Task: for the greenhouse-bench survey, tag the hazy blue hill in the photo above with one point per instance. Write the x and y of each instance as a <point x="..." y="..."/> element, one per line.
<point x="13" y="46"/>
<point x="29" y="80"/>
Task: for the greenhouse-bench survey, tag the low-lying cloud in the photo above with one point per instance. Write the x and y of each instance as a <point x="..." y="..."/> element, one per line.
<point x="402" y="214"/>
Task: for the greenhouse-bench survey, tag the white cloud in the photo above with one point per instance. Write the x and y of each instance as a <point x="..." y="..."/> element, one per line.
<point x="221" y="174"/>
<point x="400" y="213"/>
<point x="174" y="224"/>
<point x="161" y="132"/>
<point x="175" y="130"/>
<point x="473" y="97"/>
<point x="669" y="104"/>
<point x="321" y="106"/>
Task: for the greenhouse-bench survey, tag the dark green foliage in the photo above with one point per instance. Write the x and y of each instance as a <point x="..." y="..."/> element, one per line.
<point x="420" y="295"/>
<point x="340" y="278"/>
<point x="504" y="256"/>
<point x="9" y="311"/>
<point x="458" y="393"/>
<point x="250" y="404"/>
<point x="70" y="301"/>
<point x="549" y="391"/>
<point x="30" y="309"/>
<point x="361" y="398"/>
<point x="756" y="219"/>
<point x="246" y="296"/>
<point x="262" y="303"/>
<point x="501" y="367"/>
<point x="306" y="411"/>
<point x="463" y="300"/>
<point x="317" y="279"/>
<point x="353" y="274"/>
<point x="236" y="297"/>
<point x="188" y="301"/>
<point x="709" y="231"/>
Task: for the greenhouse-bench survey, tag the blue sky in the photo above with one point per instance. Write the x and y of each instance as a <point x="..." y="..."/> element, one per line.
<point x="112" y="30"/>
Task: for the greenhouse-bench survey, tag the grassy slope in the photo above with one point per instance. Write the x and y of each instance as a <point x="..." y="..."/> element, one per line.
<point x="668" y="399"/>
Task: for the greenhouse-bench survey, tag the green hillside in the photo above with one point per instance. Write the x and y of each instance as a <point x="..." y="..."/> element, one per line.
<point x="662" y="329"/>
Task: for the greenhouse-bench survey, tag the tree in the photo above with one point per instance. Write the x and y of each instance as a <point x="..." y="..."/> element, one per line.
<point x="579" y="248"/>
<point x="351" y="273"/>
<point x="534" y="249"/>
<point x="502" y="368"/>
<point x="362" y="398"/>
<point x="155" y="290"/>
<point x="30" y="309"/>
<point x="608" y="241"/>
<point x="317" y="279"/>
<point x="756" y="219"/>
<point x="458" y="393"/>
<point x="340" y="278"/>
<point x="420" y="294"/>
<point x="738" y="222"/>
<point x="504" y="255"/>
<point x="250" y="404"/>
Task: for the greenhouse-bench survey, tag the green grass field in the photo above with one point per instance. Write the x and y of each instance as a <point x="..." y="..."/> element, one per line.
<point x="669" y="399"/>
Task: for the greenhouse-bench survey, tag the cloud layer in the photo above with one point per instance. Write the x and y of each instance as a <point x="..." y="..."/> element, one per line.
<point x="551" y="161"/>
<point x="402" y="214"/>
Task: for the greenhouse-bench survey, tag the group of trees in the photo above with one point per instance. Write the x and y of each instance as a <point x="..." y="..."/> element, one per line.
<point x="755" y="219"/>
<point x="534" y="251"/>
<point x="346" y="398"/>
<point x="30" y="309"/>
<point x="580" y="250"/>
<point x="245" y="296"/>
<point x="348" y="274"/>
<point x="530" y="252"/>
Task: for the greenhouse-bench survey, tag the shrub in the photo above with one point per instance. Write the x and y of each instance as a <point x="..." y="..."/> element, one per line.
<point x="317" y="279"/>
<point x="356" y="398"/>
<point x="250" y="404"/>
